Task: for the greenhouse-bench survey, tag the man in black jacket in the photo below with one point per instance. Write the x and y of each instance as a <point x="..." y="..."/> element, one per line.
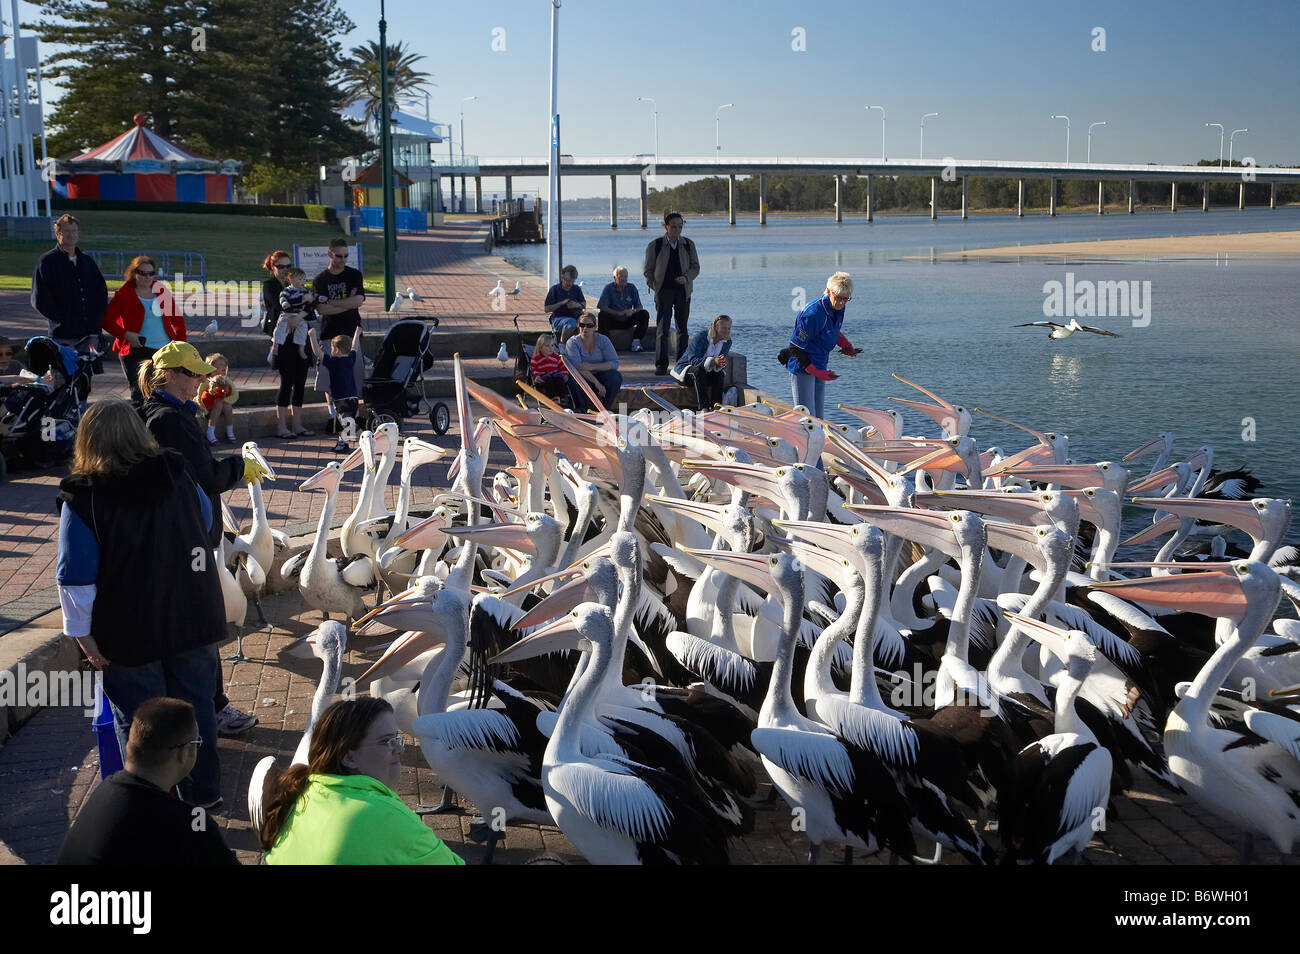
<point x="68" y="288"/>
<point x="170" y="413"/>
<point x="134" y="818"/>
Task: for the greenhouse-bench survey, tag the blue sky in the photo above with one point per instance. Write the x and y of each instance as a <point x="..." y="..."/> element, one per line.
<point x="994" y="71"/>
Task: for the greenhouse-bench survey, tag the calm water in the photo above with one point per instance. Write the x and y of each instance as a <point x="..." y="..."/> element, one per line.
<point x="1221" y="346"/>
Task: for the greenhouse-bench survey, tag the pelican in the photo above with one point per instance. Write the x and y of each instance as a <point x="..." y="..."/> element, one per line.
<point x="1060" y="785"/>
<point x="328" y="643"/>
<point x="1060" y="331"/>
<point x="1240" y="761"/>
<point x="258" y="545"/>
<point x="329" y="585"/>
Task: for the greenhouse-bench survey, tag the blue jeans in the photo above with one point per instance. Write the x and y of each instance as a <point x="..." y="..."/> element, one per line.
<point x="560" y="322"/>
<point x="195" y="676"/>
<point x="810" y="392"/>
<point x="610" y="380"/>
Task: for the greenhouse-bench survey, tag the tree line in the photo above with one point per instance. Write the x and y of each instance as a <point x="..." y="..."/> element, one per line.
<point x="816" y="193"/>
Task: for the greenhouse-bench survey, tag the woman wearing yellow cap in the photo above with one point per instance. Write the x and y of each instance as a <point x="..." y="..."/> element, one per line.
<point x="170" y="382"/>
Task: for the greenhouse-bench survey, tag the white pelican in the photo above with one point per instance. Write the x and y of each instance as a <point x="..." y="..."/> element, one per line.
<point x="1060" y="785"/>
<point x="1064" y="331"/>
<point x="1240" y="761"/>
<point x="258" y="545"/>
<point x="329" y="585"/>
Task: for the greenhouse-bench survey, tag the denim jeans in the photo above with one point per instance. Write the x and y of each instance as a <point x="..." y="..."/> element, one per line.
<point x="195" y="676"/>
<point x="611" y="381"/>
<point x="671" y="306"/>
<point x="560" y="322"/>
<point x="131" y="368"/>
<point x="810" y="392"/>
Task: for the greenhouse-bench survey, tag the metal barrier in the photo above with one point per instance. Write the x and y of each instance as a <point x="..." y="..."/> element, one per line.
<point x="187" y="262"/>
<point x="408" y="220"/>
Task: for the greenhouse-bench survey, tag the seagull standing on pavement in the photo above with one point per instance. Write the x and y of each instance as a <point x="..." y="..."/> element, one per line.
<point x="513" y="291"/>
<point x="503" y="355"/>
<point x="499" y="290"/>
<point x="1064" y="331"/>
<point x="211" y="329"/>
<point x="411" y="294"/>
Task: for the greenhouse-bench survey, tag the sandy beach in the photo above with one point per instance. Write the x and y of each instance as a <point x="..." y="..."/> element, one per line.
<point x="1255" y="244"/>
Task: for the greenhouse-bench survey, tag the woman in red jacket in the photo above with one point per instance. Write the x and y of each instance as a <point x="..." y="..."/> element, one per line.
<point x="142" y="320"/>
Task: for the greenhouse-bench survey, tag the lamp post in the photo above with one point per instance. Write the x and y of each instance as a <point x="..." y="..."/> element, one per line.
<point x="882" y="130"/>
<point x="1220" y="125"/>
<point x="1067" y="134"/>
<point x="467" y="99"/>
<point x="923" y="119"/>
<point x="1234" y="132"/>
<point x="1090" y="138"/>
<point x="386" y="166"/>
<point x="655" y="108"/>
<point x="717" y="129"/>
<point x="553" y="232"/>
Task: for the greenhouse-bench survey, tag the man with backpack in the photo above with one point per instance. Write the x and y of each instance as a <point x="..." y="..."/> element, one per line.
<point x="671" y="267"/>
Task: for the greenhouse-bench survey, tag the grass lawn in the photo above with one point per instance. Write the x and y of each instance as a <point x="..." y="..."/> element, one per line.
<point x="232" y="245"/>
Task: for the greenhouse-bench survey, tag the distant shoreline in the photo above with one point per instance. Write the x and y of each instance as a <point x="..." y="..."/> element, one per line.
<point x="1260" y="244"/>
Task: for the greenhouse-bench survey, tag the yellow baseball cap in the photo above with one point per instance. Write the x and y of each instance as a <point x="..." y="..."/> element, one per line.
<point x="181" y="354"/>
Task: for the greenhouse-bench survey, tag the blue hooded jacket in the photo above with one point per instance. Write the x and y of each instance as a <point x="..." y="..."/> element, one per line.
<point x="816" y="330"/>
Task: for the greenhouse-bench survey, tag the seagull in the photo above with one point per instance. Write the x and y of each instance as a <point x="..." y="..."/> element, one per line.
<point x="412" y="294"/>
<point x="513" y="291"/>
<point x="211" y="329"/>
<point x="1064" y="331"/>
<point x="503" y="355"/>
<point x="401" y="303"/>
<point x="499" y="290"/>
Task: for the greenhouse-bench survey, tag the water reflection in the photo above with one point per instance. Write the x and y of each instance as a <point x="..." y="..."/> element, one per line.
<point x="1066" y="370"/>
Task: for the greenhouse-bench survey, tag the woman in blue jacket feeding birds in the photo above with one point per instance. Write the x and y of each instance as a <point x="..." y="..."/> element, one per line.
<point x="816" y="332"/>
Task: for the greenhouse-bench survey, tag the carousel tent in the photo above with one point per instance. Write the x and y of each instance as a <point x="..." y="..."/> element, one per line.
<point x="142" y="166"/>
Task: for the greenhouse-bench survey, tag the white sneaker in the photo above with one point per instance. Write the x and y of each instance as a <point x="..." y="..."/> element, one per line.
<point x="636" y="346"/>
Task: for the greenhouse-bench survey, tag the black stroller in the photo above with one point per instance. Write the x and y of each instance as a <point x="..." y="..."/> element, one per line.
<point x="38" y="419"/>
<point x="395" y="388"/>
<point x="557" y="391"/>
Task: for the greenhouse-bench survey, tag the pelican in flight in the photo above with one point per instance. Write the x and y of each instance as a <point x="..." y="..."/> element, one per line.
<point x="1064" y="331"/>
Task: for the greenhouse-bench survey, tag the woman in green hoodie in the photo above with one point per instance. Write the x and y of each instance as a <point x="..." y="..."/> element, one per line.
<point x="339" y="808"/>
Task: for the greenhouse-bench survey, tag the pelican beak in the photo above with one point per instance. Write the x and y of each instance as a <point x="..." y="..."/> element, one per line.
<point x="1020" y="507"/>
<point x="929" y="528"/>
<point x="418" y="452"/>
<point x="752" y="478"/>
<point x="1151" y="445"/>
<point x="1235" y="513"/>
<point x="253" y="452"/>
<point x="945" y="458"/>
<point x="1055" y="639"/>
<point x="1020" y="540"/>
<point x="1215" y="593"/>
<point x="423" y="536"/>
<point x="507" y="536"/>
<point x="706" y="514"/>
<point x="563" y="599"/>
<point x="882" y="421"/>
<point x="316" y="479"/>
<point x="1156" y="481"/>
<point x="228" y="516"/>
<point x="403" y="649"/>
<point x="831" y="536"/>
<point x="754" y="568"/>
<point x="1074" y="476"/>
<point x="560" y="636"/>
<point x="820" y="561"/>
<point x="367" y="442"/>
<point x="1158" y="529"/>
<point x="1290" y="691"/>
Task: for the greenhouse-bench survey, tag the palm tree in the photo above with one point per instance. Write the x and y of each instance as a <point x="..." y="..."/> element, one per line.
<point x="361" y="76"/>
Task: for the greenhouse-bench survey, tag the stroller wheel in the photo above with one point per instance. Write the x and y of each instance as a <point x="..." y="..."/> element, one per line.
<point x="440" y="418"/>
<point x="379" y="418"/>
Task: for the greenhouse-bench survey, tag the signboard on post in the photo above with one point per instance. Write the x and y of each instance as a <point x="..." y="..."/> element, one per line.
<point x="314" y="259"/>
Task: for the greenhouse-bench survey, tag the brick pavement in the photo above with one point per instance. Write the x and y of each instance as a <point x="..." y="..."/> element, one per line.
<point x="51" y="765"/>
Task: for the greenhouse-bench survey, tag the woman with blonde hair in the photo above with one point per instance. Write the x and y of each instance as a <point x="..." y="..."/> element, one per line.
<point x="703" y="365"/>
<point x="340" y="808"/>
<point x="137" y="580"/>
<point x="142" y="317"/>
<point x="816" y="332"/>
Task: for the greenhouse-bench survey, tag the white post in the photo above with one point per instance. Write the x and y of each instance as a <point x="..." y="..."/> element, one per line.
<point x="923" y="119"/>
<point x="24" y="135"/>
<point x="717" y="129"/>
<point x="1220" y="125"/>
<point x="1230" y="138"/>
<point x="553" y="161"/>
<point x="883" y="155"/>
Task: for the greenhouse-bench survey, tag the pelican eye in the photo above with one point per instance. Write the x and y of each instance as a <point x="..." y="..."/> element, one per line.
<point x="1090" y="492"/>
<point x="780" y="471"/>
<point x="1047" y="498"/>
<point x="1042" y="533"/>
<point x="956" y="518"/>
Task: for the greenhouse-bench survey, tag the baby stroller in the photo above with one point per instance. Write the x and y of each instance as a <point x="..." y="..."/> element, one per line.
<point x="395" y="388"/>
<point x="38" y="419"/>
<point x="557" y="391"/>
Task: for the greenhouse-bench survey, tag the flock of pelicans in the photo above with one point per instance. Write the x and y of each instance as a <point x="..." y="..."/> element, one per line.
<point x="920" y="643"/>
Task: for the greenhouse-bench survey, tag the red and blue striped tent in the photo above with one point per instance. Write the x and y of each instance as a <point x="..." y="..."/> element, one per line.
<point x="141" y="165"/>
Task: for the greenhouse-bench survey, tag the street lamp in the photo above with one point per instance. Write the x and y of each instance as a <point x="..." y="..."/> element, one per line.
<point x="882" y="130"/>
<point x="1220" y="125"/>
<point x="1090" y="138"/>
<point x="1067" y="135"/>
<point x="655" y="107"/>
<point x="386" y="166"/>
<point x="923" y="119"/>
<point x="717" y="129"/>
<point x="467" y="99"/>
<point x="1234" y="132"/>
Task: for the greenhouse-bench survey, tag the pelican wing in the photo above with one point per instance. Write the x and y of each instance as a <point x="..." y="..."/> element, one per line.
<point x="281" y="538"/>
<point x="1277" y="729"/>
<point x="605" y="791"/>
<point x="1099" y="331"/>
<point x="892" y="741"/>
<point x="360" y="572"/>
<point x="820" y="758"/>
<point x="1039" y="324"/>
<point x="292" y="566"/>
<point x="722" y="668"/>
<point x="470" y="729"/>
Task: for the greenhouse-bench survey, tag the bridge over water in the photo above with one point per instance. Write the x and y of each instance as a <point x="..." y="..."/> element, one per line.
<point x="646" y="168"/>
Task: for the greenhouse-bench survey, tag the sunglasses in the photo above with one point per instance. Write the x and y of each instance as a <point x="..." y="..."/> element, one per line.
<point x="188" y="373"/>
<point x="281" y="265"/>
<point x="586" y="326"/>
<point x="338" y="254"/>
<point x="197" y="743"/>
<point x="146" y="274"/>
<point x="396" y="744"/>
